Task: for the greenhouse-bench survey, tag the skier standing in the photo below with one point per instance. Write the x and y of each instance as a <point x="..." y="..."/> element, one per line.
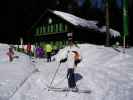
<point x="71" y="59"/>
<point x="70" y="71"/>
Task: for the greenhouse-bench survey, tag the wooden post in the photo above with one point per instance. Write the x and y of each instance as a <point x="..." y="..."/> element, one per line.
<point x="107" y="23"/>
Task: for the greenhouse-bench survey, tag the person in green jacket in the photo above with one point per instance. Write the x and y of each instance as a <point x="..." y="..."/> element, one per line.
<point x="48" y="50"/>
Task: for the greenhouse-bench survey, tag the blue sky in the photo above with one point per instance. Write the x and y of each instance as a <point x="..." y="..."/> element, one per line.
<point x="80" y="2"/>
<point x="119" y="3"/>
<point x="98" y="3"/>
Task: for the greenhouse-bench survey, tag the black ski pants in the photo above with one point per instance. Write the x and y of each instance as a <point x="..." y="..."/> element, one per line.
<point x="48" y="56"/>
<point x="71" y="78"/>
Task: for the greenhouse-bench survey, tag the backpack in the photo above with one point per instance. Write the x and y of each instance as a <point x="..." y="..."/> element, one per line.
<point x="77" y="57"/>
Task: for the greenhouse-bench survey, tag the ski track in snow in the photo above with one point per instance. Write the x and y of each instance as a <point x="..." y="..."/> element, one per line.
<point x="106" y="72"/>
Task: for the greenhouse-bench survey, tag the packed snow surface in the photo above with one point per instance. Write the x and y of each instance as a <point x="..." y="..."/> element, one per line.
<point x="13" y="74"/>
<point x="107" y="73"/>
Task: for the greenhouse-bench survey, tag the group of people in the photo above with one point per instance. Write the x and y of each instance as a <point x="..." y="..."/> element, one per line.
<point x="73" y="58"/>
<point x="40" y="52"/>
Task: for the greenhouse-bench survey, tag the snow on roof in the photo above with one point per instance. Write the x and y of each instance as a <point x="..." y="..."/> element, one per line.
<point x="113" y="32"/>
<point x="77" y="21"/>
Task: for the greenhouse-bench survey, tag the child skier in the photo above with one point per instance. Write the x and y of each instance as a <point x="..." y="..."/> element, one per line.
<point x="10" y="54"/>
<point x="73" y="57"/>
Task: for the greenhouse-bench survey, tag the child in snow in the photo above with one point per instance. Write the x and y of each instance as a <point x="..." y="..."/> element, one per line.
<point x="39" y="52"/>
<point x="10" y="54"/>
<point x="73" y="57"/>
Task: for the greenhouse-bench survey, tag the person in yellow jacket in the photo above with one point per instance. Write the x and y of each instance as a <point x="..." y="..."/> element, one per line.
<point x="48" y="50"/>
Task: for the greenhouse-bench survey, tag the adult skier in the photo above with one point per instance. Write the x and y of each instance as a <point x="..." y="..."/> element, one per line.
<point x="48" y="50"/>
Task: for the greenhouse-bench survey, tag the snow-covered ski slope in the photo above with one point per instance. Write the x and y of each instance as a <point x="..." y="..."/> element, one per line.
<point x="12" y="74"/>
<point x="108" y="74"/>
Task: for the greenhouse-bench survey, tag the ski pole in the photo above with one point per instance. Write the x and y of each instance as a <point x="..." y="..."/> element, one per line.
<point x="54" y="75"/>
<point x="60" y="81"/>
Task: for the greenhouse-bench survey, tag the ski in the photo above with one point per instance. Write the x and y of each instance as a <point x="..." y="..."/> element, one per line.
<point x="68" y="90"/>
